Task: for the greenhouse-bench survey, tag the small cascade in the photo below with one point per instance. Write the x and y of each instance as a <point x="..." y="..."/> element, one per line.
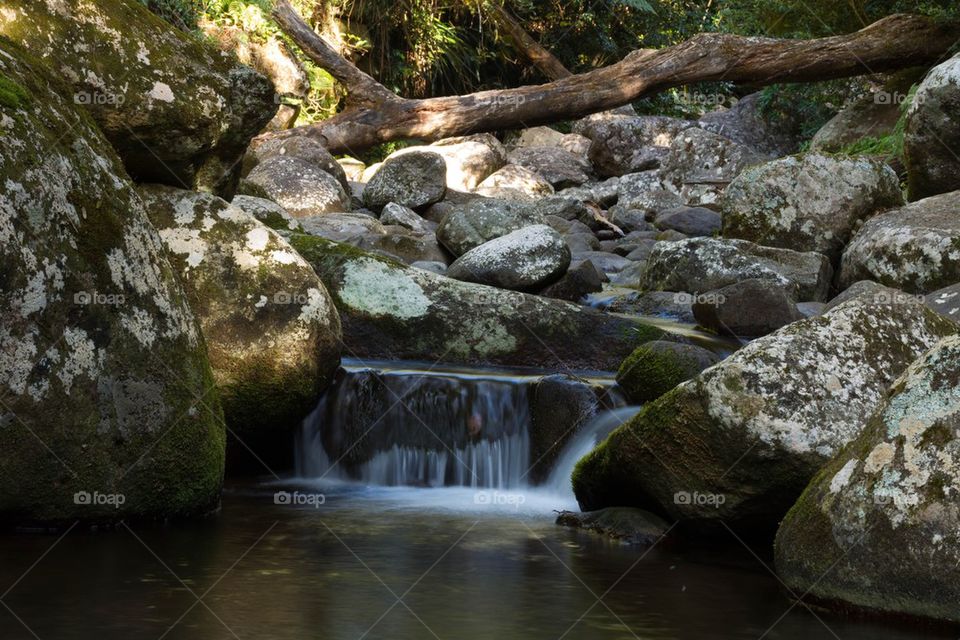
<point x="588" y="437"/>
<point x="431" y="428"/>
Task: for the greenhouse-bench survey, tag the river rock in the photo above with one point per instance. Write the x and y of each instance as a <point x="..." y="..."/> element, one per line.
<point x="871" y="116"/>
<point x="302" y="188"/>
<point x="915" y="248"/>
<point x="656" y="367"/>
<point x="400" y="244"/>
<point x="470" y="159"/>
<point x="623" y="144"/>
<point x="738" y="443"/>
<point x="414" y="179"/>
<point x="631" y="526"/>
<point x="343" y="227"/>
<point x="391" y="311"/>
<point x="558" y="166"/>
<point x="810" y="202"/>
<point x="746" y="122"/>
<point x="884" y="510"/>
<point x="706" y="264"/>
<point x="701" y="164"/>
<point x="646" y="192"/>
<point x="469" y="225"/>
<point x="665" y="304"/>
<point x="514" y="182"/>
<point x="397" y="214"/>
<point x="559" y="406"/>
<point x="295" y="146"/>
<point x="268" y="212"/>
<point x="525" y="259"/>
<point x="176" y="109"/>
<point x="932" y="134"/>
<point x="604" y="261"/>
<point x="749" y="308"/>
<point x="690" y="221"/>
<point x="271" y="330"/>
<point x="581" y="279"/>
<point x="946" y="302"/>
<point x="101" y="359"/>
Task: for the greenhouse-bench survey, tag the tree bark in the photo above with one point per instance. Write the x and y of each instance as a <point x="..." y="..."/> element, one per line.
<point x="546" y="62"/>
<point x="376" y="115"/>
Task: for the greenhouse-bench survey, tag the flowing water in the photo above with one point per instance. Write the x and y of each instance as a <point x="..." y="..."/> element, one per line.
<point x="427" y="528"/>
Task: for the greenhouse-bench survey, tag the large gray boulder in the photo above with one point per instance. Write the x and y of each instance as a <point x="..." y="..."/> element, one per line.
<point x="646" y="192"/>
<point x="746" y="122"/>
<point x="271" y="330"/>
<point x="810" y="202"/>
<point x="299" y="186"/>
<point x="522" y="260"/>
<point x="738" y="443"/>
<point x="746" y="309"/>
<point x="391" y="311"/>
<point x="705" y="264"/>
<point x="623" y="144"/>
<point x="884" y="511"/>
<point x="701" y="164"/>
<point x="176" y="109"/>
<point x="478" y="221"/>
<point x="470" y="159"/>
<point x="558" y="166"/>
<point x="101" y="359"/>
<point x="414" y="179"/>
<point x="514" y="182"/>
<point x="301" y="147"/>
<point x="915" y="248"/>
<point x="932" y="135"/>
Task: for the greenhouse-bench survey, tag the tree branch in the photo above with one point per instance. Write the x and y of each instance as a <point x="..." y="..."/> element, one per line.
<point x="546" y="62"/>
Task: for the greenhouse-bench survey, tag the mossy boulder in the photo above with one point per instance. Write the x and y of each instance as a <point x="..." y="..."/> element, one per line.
<point x="915" y="248"/>
<point x="477" y="221"/>
<point x="392" y="311"/>
<point x="176" y="109"/>
<point x="809" y="202"/>
<point x="879" y="526"/>
<point x="655" y="368"/>
<point x="106" y="386"/>
<point x="738" y="443"/>
<point x="526" y="259"/>
<point x="933" y="133"/>
<point x="271" y="329"/>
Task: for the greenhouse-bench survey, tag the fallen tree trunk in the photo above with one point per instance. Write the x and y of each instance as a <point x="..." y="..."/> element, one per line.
<point x="375" y="115"/>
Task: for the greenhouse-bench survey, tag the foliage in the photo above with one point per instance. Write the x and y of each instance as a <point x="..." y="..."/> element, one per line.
<point x="890" y="145"/>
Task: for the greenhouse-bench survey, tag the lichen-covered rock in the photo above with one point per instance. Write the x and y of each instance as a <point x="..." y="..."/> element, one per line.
<point x="298" y="186"/>
<point x="399" y="215"/>
<point x="271" y="329"/>
<point x="414" y="179"/>
<point x="655" y="368"/>
<point x="398" y="243"/>
<point x="470" y="159"/>
<point x="176" y="109"/>
<point x="627" y="144"/>
<point x="558" y="166"/>
<point x="300" y="147"/>
<point x="268" y="212"/>
<point x="104" y="377"/>
<point x="603" y="193"/>
<point x="810" y="202"/>
<point x="868" y="117"/>
<point x="932" y="135"/>
<point x="705" y="264"/>
<point x="946" y="302"/>
<point x="478" y="221"/>
<point x="342" y="227"/>
<point x="701" y="164"/>
<point x="884" y="511"/>
<point x="522" y="260"/>
<point x="646" y="192"/>
<point x="746" y="122"/>
<point x="514" y="182"/>
<point x="391" y="311"/>
<point x="746" y="309"/>
<point x="740" y="442"/>
<point x="691" y="221"/>
<point x="915" y="248"/>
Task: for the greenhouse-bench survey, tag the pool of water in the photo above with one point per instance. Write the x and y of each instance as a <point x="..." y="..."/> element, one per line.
<point x="350" y="562"/>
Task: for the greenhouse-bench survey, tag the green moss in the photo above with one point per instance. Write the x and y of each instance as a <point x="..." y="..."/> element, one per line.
<point x="650" y="371"/>
<point x="12" y="95"/>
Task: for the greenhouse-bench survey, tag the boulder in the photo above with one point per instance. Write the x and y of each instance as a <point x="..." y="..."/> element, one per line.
<point x="559" y="406"/>
<point x="630" y="526"/>
<point x="300" y="187"/>
<point x="414" y="179"/>
<point x="884" y="511"/>
<point x="176" y="109"/>
<point x="657" y="367"/>
<point x="525" y="259"/>
<point x="605" y="262"/>
<point x="646" y="192"/>
<point x="915" y="248"/>
<point x="271" y="330"/>
<point x="810" y="202"/>
<point x="268" y="212"/>
<point x="514" y="182"/>
<point x="469" y="225"/>
<point x="470" y="160"/>
<point x="738" y="443"/>
<point x="398" y="243"/>
<point x="664" y="304"/>
<point x="300" y="147"/>
<point x="623" y="144"/>
<point x="946" y="302"/>
<point x="869" y="290"/>
<point x="603" y="193"/>
<point x="558" y="166"/>
<point x="581" y="279"/>
<point x="394" y="312"/>
<point x="701" y="164"/>
<point x="343" y="227"/>
<point x="749" y="308"/>
<point x="871" y="116"/>
<point x="747" y="123"/>
<point x="691" y="221"/>
<point x="397" y="214"/>
<point x="104" y="378"/>
<point x="705" y="264"/>
<point x="933" y="133"/>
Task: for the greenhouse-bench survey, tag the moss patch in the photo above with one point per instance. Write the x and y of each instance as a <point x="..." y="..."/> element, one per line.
<point x="12" y="95"/>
